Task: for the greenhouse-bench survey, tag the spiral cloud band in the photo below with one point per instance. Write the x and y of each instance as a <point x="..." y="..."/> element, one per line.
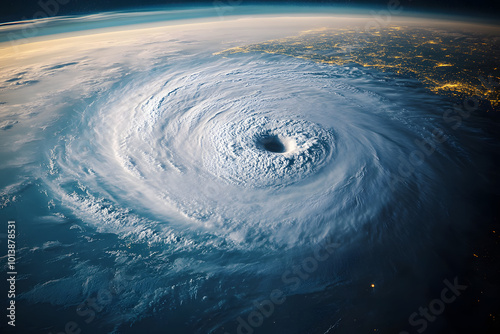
<point x="269" y="146"/>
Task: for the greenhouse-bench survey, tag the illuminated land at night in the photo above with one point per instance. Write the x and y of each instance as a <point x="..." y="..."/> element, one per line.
<point x="455" y="64"/>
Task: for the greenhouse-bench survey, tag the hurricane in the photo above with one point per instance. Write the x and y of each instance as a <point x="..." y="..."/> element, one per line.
<point x="200" y="187"/>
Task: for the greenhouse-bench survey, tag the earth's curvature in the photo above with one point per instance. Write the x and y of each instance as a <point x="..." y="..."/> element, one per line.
<point x="238" y="174"/>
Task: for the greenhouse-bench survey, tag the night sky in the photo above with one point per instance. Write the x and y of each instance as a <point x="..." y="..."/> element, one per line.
<point x="26" y="9"/>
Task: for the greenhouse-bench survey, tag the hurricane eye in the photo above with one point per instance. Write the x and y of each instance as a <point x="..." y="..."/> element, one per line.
<point x="271" y="144"/>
